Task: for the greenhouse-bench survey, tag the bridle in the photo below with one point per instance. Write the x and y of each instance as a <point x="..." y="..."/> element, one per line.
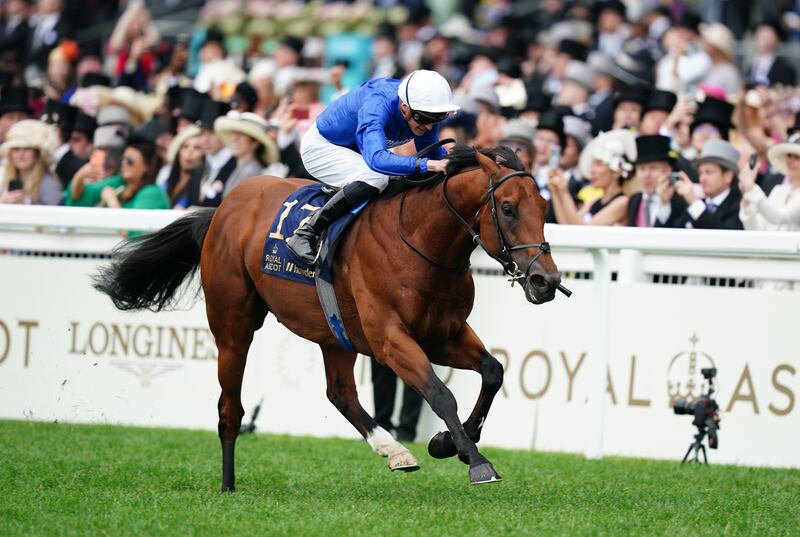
<point x="505" y="257"/>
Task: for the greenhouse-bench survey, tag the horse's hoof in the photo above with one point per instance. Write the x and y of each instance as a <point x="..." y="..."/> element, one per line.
<point x="403" y="461"/>
<point x="226" y="488"/>
<point x="442" y="446"/>
<point x="483" y="473"/>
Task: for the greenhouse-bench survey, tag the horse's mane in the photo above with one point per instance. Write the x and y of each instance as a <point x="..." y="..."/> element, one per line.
<point x="460" y="157"/>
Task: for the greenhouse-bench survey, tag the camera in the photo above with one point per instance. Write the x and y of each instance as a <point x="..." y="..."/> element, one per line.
<point x="674" y="177"/>
<point x="706" y="417"/>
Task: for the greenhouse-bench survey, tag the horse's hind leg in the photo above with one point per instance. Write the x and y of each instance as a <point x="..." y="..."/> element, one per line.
<point x="233" y="322"/>
<point x="344" y="396"/>
<point x="468" y="352"/>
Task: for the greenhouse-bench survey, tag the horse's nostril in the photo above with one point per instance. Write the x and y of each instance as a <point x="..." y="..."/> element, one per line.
<point x="537" y="280"/>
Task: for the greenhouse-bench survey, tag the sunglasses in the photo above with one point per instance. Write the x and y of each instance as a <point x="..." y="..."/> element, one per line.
<point x="425" y="118"/>
<point x="128" y="160"/>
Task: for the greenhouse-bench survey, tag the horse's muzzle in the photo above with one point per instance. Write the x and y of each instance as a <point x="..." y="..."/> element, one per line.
<point x="540" y="286"/>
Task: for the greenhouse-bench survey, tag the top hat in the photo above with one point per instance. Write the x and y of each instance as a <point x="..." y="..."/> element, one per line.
<point x="716" y="112"/>
<point x="575" y="49"/>
<point x="553" y="121"/>
<point x="95" y="79"/>
<point x="15" y="99"/>
<point x="636" y="93"/>
<point x="537" y="100"/>
<point x="247" y="94"/>
<point x="211" y="111"/>
<point x="84" y="123"/>
<point x="192" y="104"/>
<point x="59" y="114"/>
<point x="654" y="148"/>
<point x="660" y="100"/>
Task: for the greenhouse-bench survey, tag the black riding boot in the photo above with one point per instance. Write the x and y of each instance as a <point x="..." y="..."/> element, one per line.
<point x="305" y="241"/>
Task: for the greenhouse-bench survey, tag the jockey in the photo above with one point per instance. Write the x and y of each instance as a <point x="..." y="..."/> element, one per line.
<point x="348" y="146"/>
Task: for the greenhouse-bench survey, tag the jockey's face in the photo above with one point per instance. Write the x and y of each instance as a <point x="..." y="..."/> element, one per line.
<point x="417" y="128"/>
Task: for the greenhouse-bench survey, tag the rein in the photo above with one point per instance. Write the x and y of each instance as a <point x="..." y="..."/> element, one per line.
<point x="505" y="258"/>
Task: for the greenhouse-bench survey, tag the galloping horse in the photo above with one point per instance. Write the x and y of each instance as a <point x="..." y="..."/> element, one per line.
<point x="401" y="279"/>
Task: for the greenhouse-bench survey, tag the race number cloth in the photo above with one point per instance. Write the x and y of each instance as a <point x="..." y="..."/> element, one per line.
<point x="278" y="259"/>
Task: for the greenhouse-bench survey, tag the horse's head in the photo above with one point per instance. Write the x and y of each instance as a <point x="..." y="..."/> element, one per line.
<point x="512" y="226"/>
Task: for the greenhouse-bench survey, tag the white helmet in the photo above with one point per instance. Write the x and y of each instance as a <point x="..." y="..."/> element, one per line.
<point x="427" y="91"/>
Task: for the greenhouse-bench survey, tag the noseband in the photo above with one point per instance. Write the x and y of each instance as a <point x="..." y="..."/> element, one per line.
<point x="505" y="258"/>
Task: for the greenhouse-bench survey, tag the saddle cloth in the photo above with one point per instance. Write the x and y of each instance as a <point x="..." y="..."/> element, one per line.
<point x="278" y="260"/>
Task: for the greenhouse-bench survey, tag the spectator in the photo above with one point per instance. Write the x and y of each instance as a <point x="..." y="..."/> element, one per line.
<point x="48" y="28"/>
<point x="518" y="136"/>
<point x="657" y="108"/>
<point x="718" y="42"/>
<point x="716" y="206"/>
<point x="781" y="210"/>
<point x="628" y="107"/>
<point x="28" y="149"/>
<point x="219" y="158"/>
<point x="578" y="86"/>
<point x="578" y="133"/>
<point x="245" y="98"/>
<point x="608" y="162"/>
<point x="131" y="48"/>
<point x="769" y="69"/>
<point x="711" y="122"/>
<point x="14" y="107"/>
<point x="14" y="31"/>
<point x="186" y="184"/>
<point x="260" y="78"/>
<point x="686" y="63"/>
<point x="654" y="160"/>
<point x="245" y="134"/>
<point x="611" y="28"/>
<point x="549" y="139"/>
<point x="133" y="188"/>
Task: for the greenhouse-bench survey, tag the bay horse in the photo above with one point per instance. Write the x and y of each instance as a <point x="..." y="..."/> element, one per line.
<point x="402" y="280"/>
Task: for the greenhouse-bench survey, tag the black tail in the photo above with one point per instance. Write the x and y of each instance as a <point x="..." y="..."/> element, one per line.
<point x="147" y="271"/>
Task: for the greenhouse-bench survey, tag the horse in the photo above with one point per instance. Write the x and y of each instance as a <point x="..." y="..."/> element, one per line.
<point x="402" y="281"/>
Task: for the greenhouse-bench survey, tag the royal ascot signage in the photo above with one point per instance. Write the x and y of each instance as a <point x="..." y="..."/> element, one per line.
<point x="66" y="354"/>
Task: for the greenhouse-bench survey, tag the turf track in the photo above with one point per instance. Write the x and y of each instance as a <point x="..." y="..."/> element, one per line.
<point x="58" y="479"/>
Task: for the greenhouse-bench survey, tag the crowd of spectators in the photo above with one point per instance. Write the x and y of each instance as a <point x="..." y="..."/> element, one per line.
<point x="662" y="113"/>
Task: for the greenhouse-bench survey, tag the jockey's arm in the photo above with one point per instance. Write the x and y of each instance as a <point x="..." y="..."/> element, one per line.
<point x="372" y="144"/>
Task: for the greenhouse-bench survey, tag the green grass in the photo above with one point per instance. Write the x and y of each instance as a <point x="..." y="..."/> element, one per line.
<point x="58" y="479"/>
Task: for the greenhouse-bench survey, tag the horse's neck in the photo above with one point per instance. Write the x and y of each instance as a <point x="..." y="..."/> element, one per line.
<point x="430" y="226"/>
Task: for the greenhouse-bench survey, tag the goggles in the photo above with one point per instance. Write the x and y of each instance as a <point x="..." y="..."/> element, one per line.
<point x="425" y="118"/>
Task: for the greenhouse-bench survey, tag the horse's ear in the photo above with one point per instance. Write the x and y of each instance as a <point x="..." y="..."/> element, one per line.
<point x="489" y="166"/>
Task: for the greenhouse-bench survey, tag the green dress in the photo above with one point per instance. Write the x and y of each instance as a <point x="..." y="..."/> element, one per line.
<point x="147" y="197"/>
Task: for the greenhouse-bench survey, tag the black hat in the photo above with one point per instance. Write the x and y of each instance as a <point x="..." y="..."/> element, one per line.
<point x="176" y="95"/>
<point x="247" y="94"/>
<point x="575" y="49"/>
<point x="690" y="20"/>
<point x="716" y="112"/>
<point x="553" y="121"/>
<point x="60" y="114"/>
<point x="15" y="99"/>
<point x="654" y="148"/>
<point x="192" y="104"/>
<point x="68" y="166"/>
<point x="150" y="130"/>
<point x="84" y="123"/>
<point x="95" y="79"/>
<point x="661" y="100"/>
<point x="211" y="111"/>
<point x="614" y="5"/>
<point x="632" y="93"/>
<point x="294" y="43"/>
<point x="213" y="35"/>
<point x="538" y="101"/>
<point x="387" y="30"/>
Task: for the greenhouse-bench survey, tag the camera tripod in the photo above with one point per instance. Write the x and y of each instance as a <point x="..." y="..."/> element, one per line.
<point x="696" y="447"/>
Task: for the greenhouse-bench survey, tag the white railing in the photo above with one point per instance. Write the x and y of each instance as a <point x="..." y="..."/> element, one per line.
<point x="634" y="253"/>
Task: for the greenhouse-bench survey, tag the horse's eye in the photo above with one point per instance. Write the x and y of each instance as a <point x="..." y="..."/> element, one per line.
<point x="509" y="210"/>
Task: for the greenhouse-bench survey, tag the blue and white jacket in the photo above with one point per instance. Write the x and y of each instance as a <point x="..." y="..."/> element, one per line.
<point x="368" y="120"/>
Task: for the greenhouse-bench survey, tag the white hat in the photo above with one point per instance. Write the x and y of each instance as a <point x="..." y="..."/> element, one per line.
<point x="251" y="125"/>
<point x="720" y="37"/>
<point x="778" y="153"/>
<point x="32" y="134"/>
<point x="426" y="91"/>
<point x="486" y="94"/>
<point x="579" y="129"/>
<point x="183" y="136"/>
<point x="616" y="148"/>
<point x="581" y="74"/>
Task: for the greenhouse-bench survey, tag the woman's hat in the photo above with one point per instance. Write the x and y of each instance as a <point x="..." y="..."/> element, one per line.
<point x="616" y="148"/>
<point x="32" y="134"/>
<point x="778" y="153"/>
<point x="186" y="133"/>
<point x="251" y="125"/>
<point x="654" y="148"/>
<point x="720" y="37"/>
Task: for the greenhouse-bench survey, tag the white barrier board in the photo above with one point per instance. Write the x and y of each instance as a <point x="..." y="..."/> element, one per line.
<point x="66" y="354"/>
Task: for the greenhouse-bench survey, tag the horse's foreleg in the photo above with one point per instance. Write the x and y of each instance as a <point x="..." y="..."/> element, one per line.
<point x="343" y="394"/>
<point x="407" y="359"/>
<point x="468" y="352"/>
